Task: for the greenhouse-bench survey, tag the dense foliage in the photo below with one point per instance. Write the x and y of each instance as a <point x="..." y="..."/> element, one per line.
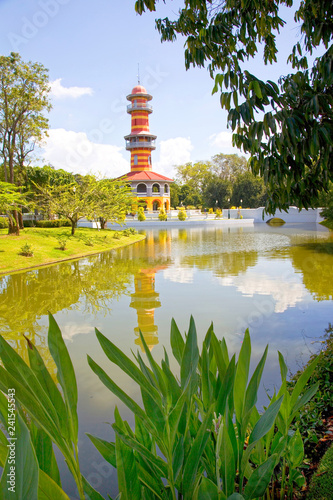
<point x="223" y="181"/>
<point x="286" y="126"/>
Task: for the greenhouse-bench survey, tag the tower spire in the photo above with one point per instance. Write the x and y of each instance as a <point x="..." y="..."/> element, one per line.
<point x="138" y="73"/>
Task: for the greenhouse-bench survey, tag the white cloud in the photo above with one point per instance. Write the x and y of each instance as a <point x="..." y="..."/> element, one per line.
<point x="74" y="152"/>
<point x="285" y="293"/>
<point x="223" y="141"/>
<point x="179" y="274"/>
<point x="70" y="330"/>
<point x="60" y="92"/>
<point x="173" y="152"/>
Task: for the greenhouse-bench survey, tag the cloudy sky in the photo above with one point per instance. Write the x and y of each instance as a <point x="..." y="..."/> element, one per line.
<point x="92" y="51"/>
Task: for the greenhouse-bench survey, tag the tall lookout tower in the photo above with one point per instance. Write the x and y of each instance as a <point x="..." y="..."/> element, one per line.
<point x="150" y="188"/>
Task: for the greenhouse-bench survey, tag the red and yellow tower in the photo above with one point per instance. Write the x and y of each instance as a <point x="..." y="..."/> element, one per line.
<point x="149" y="187"/>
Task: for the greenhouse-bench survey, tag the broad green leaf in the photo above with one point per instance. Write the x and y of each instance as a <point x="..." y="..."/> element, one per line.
<point x="120" y="359"/>
<point x="208" y="490"/>
<point x="174" y="416"/>
<point x="132" y="443"/>
<point x="128" y="480"/>
<point x="259" y="480"/>
<point x="228" y="458"/>
<point x="151" y="482"/>
<point x="106" y="449"/>
<point x="194" y="456"/>
<point x="3" y="409"/>
<point x="172" y="383"/>
<point x="190" y="357"/>
<point x="158" y="372"/>
<point x="108" y="382"/>
<point x="252" y="389"/>
<point x="206" y="389"/>
<point x="177" y="342"/>
<point x="219" y="357"/>
<point x="301" y="382"/>
<point x="283" y="367"/>
<point x="142" y="435"/>
<point x="49" y="489"/>
<point x="236" y="496"/>
<point x="65" y="373"/>
<point x="32" y="405"/>
<point x="304" y="399"/>
<point x="296" y="450"/>
<point x="226" y="387"/>
<point x="178" y="457"/>
<point x="45" y="454"/>
<point x="241" y="377"/>
<point x="90" y="492"/>
<point x="24" y="375"/>
<point x="154" y="415"/>
<point x="265" y="422"/>
<point x="38" y="367"/>
<point x="25" y="466"/>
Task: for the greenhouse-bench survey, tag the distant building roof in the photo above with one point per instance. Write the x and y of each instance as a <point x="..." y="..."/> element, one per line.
<point x="146" y="175"/>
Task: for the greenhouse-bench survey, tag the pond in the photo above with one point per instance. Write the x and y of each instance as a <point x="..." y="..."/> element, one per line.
<point x="277" y="281"/>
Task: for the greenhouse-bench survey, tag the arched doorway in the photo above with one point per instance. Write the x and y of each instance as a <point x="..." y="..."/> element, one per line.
<point x="156" y="204"/>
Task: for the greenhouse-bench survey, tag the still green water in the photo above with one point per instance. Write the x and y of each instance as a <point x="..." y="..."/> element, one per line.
<point x="278" y="281"/>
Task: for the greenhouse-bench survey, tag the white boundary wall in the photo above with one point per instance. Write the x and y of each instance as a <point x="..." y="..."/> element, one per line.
<point x="293" y="214"/>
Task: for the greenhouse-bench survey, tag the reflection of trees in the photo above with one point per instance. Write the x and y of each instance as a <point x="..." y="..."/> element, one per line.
<point x="223" y="264"/>
<point x="88" y="284"/>
<point x="315" y="261"/>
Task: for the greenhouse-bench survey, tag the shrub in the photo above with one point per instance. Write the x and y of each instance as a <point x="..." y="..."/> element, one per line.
<point x="126" y="232"/>
<point x="141" y="214"/>
<point x="321" y="486"/>
<point x="116" y="235"/>
<point x="162" y="215"/>
<point x="211" y="211"/>
<point x="27" y="250"/>
<point x="3" y="222"/>
<point x="53" y="223"/>
<point x="218" y="213"/>
<point x="310" y="421"/>
<point x="132" y="230"/>
<point x="29" y="223"/>
<point x="62" y="242"/>
<point x="182" y="214"/>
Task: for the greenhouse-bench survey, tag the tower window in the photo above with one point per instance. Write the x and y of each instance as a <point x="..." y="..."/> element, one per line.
<point x="135" y="159"/>
<point x="149" y="160"/>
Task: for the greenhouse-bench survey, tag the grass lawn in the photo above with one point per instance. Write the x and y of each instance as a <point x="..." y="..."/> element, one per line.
<point x="321" y="487"/>
<point x="46" y="248"/>
<point x="328" y="224"/>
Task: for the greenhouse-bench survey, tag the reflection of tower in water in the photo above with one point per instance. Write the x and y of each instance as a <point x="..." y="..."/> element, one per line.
<point x="145" y="300"/>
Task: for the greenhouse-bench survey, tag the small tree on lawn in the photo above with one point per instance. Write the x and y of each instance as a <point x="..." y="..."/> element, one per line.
<point x="71" y="201"/>
<point x="110" y="200"/>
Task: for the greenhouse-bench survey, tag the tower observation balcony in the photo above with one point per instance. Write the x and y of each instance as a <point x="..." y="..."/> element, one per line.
<point x="136" y="144"/>
<point x="139" y="106"/>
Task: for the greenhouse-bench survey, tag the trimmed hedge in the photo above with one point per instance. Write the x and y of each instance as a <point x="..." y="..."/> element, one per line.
<point x="53" y="223"/>
<point x="321" y="486"/>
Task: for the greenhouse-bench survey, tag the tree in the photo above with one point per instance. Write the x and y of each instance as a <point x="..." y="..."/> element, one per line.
<point x="72" y="200"/>
<point x="174" y="194"/>
<point x="228" y="166"/>
<point x="11" y="200"/>
<point x="110" y="200"/>
<point x="23" y="101"/>
<point x="217" y="193"/>
<point x="248" y="191"/>
<point x="285" y="126"/>
<point x="194" y="175"/>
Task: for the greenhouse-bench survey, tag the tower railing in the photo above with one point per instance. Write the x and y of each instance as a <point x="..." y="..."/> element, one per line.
<point x="139" y="107"/>
<point x="140" y="144"/>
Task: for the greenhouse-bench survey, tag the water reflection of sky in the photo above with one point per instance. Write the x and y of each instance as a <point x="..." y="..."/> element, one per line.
<point x="276" y="281"/>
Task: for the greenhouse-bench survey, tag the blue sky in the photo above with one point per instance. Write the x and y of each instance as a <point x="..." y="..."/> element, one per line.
<point x="92" y="49"/>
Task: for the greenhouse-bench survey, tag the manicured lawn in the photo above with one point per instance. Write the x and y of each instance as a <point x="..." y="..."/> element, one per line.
<point x="45" y="245"/>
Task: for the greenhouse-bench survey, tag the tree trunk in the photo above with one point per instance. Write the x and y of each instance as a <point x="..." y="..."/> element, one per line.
<point x="20" y="219"/>
<point x="103" y="222"/>
<point x="13" y="224"/>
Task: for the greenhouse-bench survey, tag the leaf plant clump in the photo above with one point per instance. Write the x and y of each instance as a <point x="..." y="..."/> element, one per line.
<point x="198" y="434"/>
